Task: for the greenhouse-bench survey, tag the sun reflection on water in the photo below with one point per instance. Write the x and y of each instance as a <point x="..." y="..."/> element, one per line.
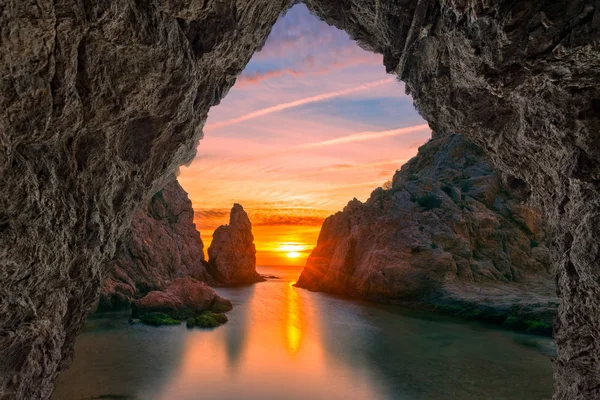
<point x="294" y="320"/>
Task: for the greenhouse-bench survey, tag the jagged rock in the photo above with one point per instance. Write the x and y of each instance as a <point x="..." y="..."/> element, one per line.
<point x="231" y="254"/>
<point x="184" y="297"/>
<point x="447" y="228"/>
<point x="519" y="79"/>
<point x="163" y="245"/>
<point x="102" y="101"/>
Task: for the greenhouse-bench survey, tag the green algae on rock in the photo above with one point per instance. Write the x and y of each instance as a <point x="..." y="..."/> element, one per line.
<point x="207" y="320"/>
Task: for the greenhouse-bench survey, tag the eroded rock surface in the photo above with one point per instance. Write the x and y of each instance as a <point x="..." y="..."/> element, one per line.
<point x="446" y="228"/>
<point x="163" y="245"/>
<point x="100" y="102"/>
<point x="232" y="254"/>
<point x="520" y="79"/>
<point x="184" y="297"/>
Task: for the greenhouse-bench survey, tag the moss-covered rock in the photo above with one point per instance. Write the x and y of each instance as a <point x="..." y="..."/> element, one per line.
<point x="534" y="326"/>
<point x="158" y="318"/>
<point x="207" y="320"/>
<point x="221" y="306"/>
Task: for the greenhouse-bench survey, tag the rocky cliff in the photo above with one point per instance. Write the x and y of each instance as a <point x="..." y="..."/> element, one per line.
<point x="448" y="232"/>
<point x="101" y="101"/>
<point x="519" y="79"/>
<point x="232" y="255"/>
<point x="163" y="245"/>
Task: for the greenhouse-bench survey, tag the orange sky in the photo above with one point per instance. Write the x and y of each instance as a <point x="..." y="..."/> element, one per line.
<point x="312" y="122"/>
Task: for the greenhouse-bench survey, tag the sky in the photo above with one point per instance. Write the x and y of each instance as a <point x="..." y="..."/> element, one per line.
<point x="311" y="123"/>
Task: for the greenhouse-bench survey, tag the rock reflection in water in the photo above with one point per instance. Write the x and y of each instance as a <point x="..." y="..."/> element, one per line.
<point x="287" y="343"/>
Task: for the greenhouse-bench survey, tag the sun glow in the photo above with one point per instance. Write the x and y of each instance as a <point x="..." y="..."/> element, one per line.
<point x="304" y="130"/>
<point x="295" y="323"/>
<point x="289" y="247"/>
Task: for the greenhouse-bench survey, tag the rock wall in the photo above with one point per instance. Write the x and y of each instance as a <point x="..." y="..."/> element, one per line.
<point x="100" y="101"/>
<point x="163" y="245"/>
<point x="520" y="79"/>
<point x="232" y="255"/>
<point x="446" y="228"/>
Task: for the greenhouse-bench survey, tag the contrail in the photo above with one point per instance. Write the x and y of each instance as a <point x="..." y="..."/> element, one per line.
<point x="359" y="137"/>
<point x="296" y="103"/>
<point x="356" y="137"/>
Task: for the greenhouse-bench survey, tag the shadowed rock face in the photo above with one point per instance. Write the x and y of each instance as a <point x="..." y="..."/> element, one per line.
<point x="447" y="228"/>
<point x="520" y="79"/>
<point x="101" y="101"/>
<point x="163" y="245"/>
<point x="232" y="255"/>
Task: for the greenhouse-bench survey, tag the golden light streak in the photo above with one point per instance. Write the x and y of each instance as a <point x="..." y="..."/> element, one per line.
<point x="294" y="321"/>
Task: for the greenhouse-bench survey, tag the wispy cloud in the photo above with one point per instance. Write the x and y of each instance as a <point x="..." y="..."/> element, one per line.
<point x="211" y="213"/>
<point x="362" y="136"/>
<point x="346" y="167"/>
<point x="287" y="220"/>
<point x="208" y="219"/>
<point x="297" y="103"/>
<point x="259" y="76"/>
<point x="307" y="66"/>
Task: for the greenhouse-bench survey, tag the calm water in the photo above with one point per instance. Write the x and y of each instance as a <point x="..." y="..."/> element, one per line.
<point x="287" y="343"/>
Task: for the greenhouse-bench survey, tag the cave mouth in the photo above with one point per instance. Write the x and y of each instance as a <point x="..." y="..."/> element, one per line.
<point x="77" y="90"/>
<point x="312" y="122"/>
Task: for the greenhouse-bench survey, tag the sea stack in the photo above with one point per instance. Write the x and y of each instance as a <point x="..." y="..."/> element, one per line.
<point x="232" y="254"/>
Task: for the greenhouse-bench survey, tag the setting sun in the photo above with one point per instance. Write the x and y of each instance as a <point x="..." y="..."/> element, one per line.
<point x="293" y="254"/>
<point x="292" y="248"/>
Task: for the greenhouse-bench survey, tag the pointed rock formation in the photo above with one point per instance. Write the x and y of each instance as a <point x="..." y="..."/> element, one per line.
<point x="448" y="233"/>
<point x="163" y="245"/>
<point x="232" y="255"/>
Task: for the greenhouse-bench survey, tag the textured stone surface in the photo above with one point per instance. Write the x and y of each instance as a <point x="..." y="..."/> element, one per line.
<point x="163" y="245"/>
<point x="100" y="101"/>
<point x="232" y="255"/>
<point x="447" y="228"/>
<point x="185" y="296"/>
<point x="520" y="79"/>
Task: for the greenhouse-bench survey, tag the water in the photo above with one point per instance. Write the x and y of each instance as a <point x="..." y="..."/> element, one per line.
<point x="287" y="343"/>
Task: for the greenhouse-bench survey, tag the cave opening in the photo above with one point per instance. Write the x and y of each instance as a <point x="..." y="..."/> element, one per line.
<point x="312" y="122"/>
<point x="81" y="81"/>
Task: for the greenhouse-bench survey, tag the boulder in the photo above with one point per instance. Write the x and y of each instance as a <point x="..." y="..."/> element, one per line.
<point x="185" y="297"/>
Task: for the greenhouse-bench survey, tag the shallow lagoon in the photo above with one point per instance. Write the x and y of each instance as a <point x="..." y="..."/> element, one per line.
<point x="282" y="342"/>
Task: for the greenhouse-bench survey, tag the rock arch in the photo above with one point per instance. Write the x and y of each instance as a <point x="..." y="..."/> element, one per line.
<point x="102" y="100"/>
